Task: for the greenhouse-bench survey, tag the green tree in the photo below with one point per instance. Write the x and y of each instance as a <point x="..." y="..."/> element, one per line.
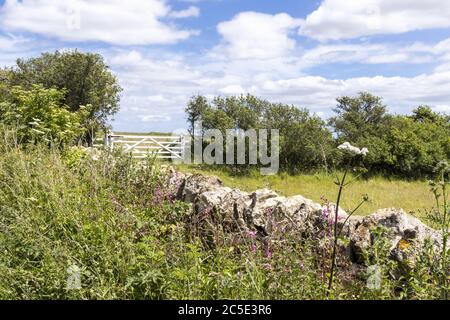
<point x="417" y="144"/>
<point x="84" y="77"/>
<point x="358" y="117"/>
<point x="195" y="111"/>
<point x="305" y="142"/>
<point x="424" y="113"/>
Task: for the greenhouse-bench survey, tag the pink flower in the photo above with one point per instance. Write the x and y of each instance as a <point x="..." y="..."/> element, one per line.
<point x="252" y="234"/>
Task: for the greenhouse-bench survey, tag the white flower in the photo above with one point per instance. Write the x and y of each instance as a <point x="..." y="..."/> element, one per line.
<point x="364" y="151"/>
<point x="346" y="146"/>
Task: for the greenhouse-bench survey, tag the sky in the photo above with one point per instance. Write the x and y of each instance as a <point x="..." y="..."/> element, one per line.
<point x="301" y="52"/>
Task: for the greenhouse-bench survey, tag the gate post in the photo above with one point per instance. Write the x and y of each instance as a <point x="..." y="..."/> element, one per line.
<point x="109" y="140"/>
<point x="183" y="146"/>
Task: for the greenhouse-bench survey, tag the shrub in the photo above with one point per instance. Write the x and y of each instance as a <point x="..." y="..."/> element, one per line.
<point x="38" y="114"/>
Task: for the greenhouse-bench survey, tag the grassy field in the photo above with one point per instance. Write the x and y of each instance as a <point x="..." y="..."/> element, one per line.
<point x="412" y="196"/>
<point x="114" y="225"/>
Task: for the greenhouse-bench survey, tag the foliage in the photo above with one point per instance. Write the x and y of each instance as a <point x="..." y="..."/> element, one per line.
<point x="404" y="145"/>
<point x="440" y="216"/>
<point x="358" y="117"/>
<point x="38" y="114"/>
<point x="84" y="77"/>
<point x="248" y="112"/>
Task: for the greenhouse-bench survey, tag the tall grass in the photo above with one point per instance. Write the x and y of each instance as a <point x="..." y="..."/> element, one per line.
<point x="117" y="221"/>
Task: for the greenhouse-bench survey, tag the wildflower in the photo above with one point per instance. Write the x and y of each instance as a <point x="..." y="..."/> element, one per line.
<point x="346" y="146"/>
<point x="325" y="212"/>
<point x="253" y="247"/>
<point x="404" y="245"/>
<point x="269" y="254"/>
<point x="252" y="234"/>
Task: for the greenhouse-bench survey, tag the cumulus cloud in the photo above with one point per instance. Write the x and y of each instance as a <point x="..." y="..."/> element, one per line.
<point x="133" y="22"/>
<point x="401" y="93"/>
<point x="253" y="35"/>
<point x="337" y="19"/>
<point x="162" y="86"/>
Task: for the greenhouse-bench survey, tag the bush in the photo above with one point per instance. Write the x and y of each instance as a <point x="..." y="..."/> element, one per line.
<point x="402" y="145"/>
<point x="39" y="115"/>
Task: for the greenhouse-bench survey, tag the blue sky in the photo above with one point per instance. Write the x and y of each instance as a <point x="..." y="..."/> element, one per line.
<point x="300" y="52"/>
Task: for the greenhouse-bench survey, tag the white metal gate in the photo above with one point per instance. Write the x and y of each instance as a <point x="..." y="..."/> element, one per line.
<point x="140" y="146"/>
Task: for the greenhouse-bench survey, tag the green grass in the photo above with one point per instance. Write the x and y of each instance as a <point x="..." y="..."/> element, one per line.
<point x="412" y="196"/>
<point x="118" y="223"/>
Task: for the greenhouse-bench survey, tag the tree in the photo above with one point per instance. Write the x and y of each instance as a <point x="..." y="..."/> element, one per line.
<point x="196" y="110"/>
<point x="358" y="117"/>
<point x="424" y="113"/>
<point x="305" y="142"/>
<point x="84" y="77"/>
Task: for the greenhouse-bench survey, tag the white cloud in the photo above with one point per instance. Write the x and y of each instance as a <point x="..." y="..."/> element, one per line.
<point x="13" y="47"/>
<point x="133" y="22"/>
<point x="155" y="118"/>
<point x="161" y="85"/>
<point x="400" y="93"/>
<point x="256" y="53"/>
<point x="253" y="35"/>
<point x="187" y="13"/>
<point x="232" y="90"/>
<point x="13" y="43"/>
<point x="337" y="19"/>
<point x="368" y="53"/>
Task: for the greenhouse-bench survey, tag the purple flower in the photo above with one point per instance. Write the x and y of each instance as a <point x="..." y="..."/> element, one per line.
<point x="252" y="234"/>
